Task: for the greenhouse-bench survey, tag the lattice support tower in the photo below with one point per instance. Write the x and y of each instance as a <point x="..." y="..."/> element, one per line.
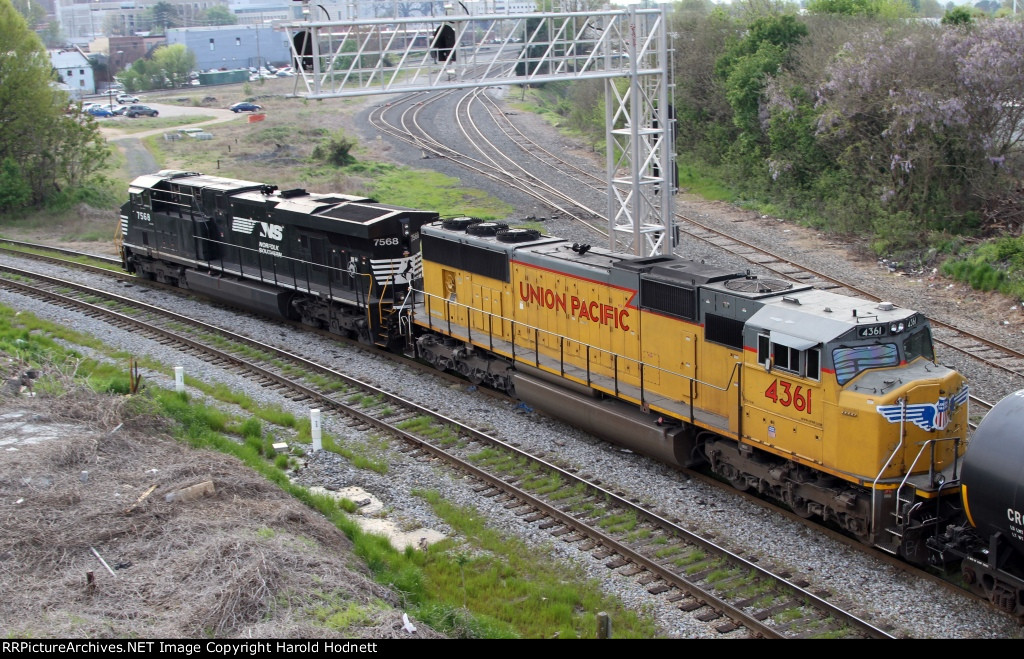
<point x="457" y="48"/>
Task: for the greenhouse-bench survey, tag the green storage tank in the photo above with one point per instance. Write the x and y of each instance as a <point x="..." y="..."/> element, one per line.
<point x="223" y="77"/>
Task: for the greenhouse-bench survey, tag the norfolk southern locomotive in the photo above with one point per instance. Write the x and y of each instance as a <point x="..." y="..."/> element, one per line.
<point x="834" y="405"/>
<point x="333" y="261"/>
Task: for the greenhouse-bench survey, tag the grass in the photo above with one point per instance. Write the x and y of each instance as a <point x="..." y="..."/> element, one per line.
<point x="692" y="180"/>
<point x="477" y="584"/>
<point x="996" y="265"/>
<point x="502" y="579"/>
<point x="142" y="124"/>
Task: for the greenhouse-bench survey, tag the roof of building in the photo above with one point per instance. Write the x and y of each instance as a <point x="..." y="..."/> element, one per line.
<point x="68" y="58"/>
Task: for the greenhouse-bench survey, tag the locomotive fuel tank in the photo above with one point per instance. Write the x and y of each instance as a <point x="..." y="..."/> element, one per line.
<point x="993" y="473"/>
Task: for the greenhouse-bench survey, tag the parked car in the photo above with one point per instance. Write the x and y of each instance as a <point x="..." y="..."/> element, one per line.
<point x="99" y="111"/>
<point x="245" y="106"/>
<point x="127" y="98"/>
<point x="140" y="111"/>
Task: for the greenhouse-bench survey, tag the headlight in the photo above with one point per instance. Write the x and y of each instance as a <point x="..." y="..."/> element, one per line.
<point x="896" y="328"/>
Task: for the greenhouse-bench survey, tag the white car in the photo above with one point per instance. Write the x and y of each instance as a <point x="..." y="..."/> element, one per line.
<point x="126" y="99"/>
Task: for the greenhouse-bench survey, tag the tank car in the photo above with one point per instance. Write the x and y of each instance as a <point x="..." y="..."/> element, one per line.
<point x="834" y="405"/>
<point x="338" y="262"/>
<point x="988" y="541"/>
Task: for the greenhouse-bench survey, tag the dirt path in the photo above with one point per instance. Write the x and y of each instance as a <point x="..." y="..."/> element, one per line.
<point x="138" y="158"/>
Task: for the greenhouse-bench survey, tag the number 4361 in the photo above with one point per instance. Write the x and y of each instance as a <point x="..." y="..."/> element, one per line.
<point x="785" y="394"/>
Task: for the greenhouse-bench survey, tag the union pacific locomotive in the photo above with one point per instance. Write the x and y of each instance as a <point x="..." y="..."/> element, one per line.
<point x="834" y="405"/>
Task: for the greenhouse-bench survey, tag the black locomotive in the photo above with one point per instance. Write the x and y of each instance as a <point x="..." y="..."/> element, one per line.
<point x="333" y="261"/>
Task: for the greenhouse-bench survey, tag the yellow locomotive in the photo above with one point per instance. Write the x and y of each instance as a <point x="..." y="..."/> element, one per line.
<point x="831" y="404"/>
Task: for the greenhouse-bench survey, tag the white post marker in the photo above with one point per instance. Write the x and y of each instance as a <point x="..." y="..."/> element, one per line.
<point x="179" y="379"/>
<point x="314" y="429"/>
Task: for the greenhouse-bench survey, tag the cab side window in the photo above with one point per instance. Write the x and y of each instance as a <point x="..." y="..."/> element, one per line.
<point x="806" y="363"/>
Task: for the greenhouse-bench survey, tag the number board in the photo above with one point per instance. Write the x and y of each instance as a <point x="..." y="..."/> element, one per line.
<point x="881" y="329"/>
<point x="871" y="331"/>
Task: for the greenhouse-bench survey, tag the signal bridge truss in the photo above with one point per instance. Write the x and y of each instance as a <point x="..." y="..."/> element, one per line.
<point x="628" y="48"/>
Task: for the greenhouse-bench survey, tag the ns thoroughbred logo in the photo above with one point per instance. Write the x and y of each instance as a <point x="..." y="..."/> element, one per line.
<point x="927" y="416"/>
<point x="267" y="230"/>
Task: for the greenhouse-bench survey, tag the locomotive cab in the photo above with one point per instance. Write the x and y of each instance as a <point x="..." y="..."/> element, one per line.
<point x="854" y="393"/>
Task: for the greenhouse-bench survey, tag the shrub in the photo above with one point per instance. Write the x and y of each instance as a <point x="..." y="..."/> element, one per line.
<point x="335" y="150"/>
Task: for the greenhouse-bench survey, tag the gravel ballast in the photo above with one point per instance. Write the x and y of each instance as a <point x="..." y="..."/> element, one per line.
<point x="876" y="591"/>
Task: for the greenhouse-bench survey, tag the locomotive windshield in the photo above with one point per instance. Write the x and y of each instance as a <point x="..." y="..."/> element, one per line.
<point x="919" y="344"/>
<point x="850" y="361"/>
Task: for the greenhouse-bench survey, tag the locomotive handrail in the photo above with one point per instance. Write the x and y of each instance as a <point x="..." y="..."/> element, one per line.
<point x="930" y="444"/>
<point x="536" y="331"/>
<point x="874" y="484"/>
<point x="383" y="292"/>
<point x="909" y="471"/>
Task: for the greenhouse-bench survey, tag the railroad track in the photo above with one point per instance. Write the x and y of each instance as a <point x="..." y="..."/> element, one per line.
<point x="407" y="128"/>
<point x="731" y="593"/>
<point x="990" y="353"/>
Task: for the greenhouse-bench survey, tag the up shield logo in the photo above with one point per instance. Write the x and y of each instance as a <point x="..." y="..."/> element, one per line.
<point x="272" y="231"/>
<point x="927" y="416"/>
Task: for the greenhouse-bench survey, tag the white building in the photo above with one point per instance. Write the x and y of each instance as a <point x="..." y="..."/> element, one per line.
<point x="75" y="71"/>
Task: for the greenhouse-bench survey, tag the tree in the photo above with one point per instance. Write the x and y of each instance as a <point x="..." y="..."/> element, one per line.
<point x="217" y="15"/>
<point x="928" y="119"/>
<point x="54" y="150"/>
<point x="930" y="9"/>
<point x="889" y="9"/>
<point x="28" y="101"/>
<point x="958" y="16"/>
<point x="168" y="67"/>
<point x="703" y="115"/>
<point x="34" y="13"/>
<point x="176" y="62"/>
<point x="407" y="9"/>
<point x="161" y="16"/>
<point x="15" y="192"/>
<point x="750" y="62"/>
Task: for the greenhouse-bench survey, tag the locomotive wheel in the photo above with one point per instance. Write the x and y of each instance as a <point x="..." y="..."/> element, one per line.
<point x="434" y="360"/>
<point x="734" y="477"/>
<point x="857" y="528"/>
<point x="739" y="483"/>
<point x="801" y="509"/>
